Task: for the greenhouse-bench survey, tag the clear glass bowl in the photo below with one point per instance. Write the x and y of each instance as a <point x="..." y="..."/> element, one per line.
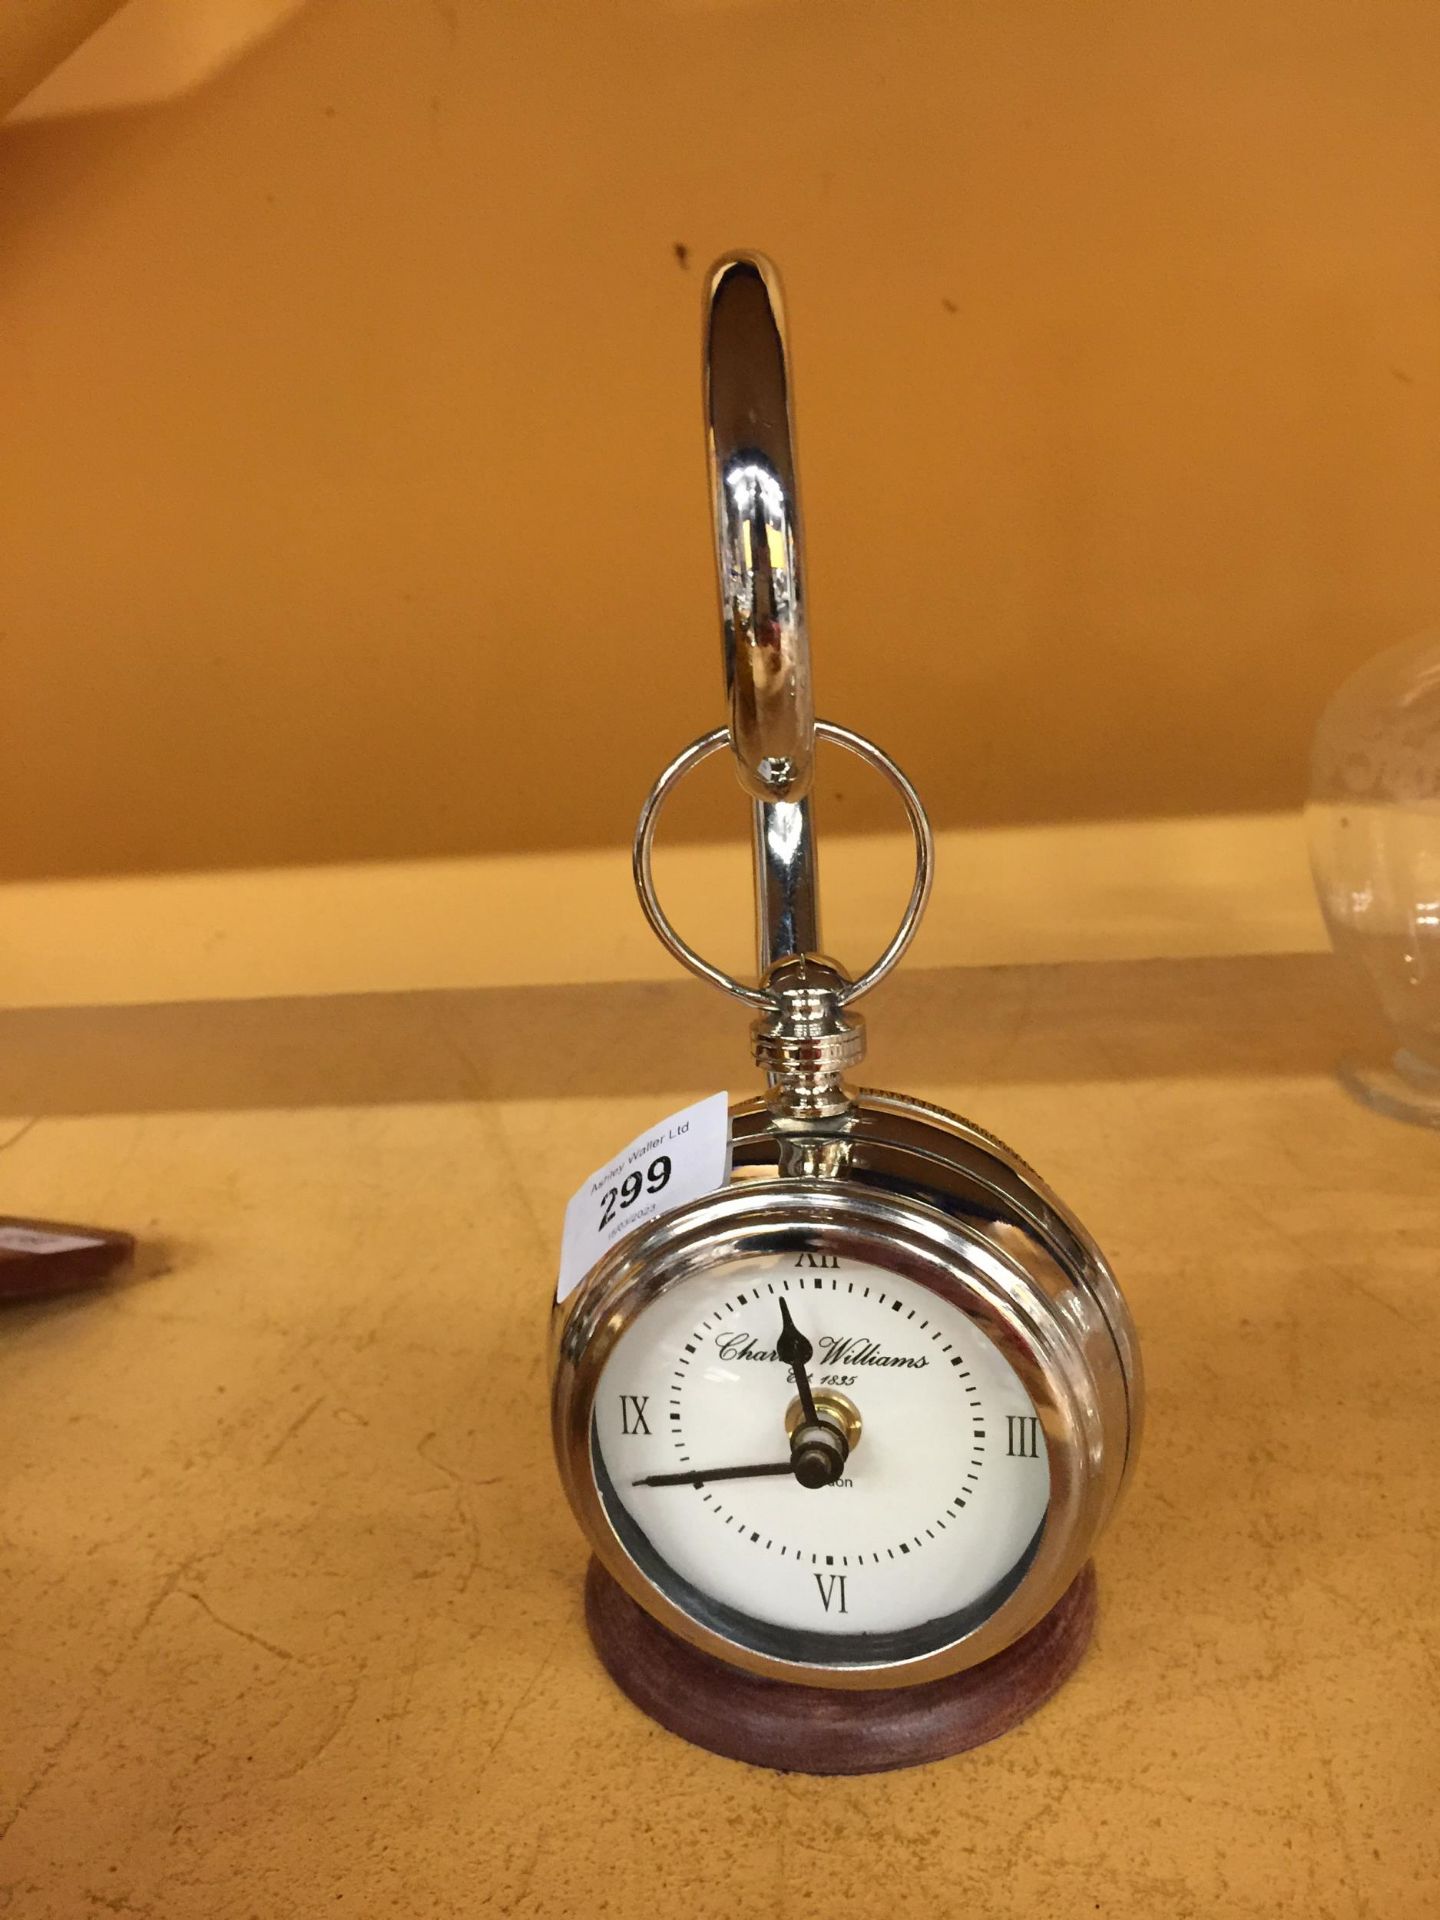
<point x="1374" y="828"/>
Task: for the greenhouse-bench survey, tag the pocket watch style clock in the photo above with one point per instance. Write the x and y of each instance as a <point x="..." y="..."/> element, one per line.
<point x="842" y="1432"/>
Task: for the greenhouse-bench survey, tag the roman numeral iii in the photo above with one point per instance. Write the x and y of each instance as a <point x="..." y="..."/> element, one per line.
<point x="832" y="1591"/>
<point x="1023" y="1436"/>
<point x="632" y="1413"/>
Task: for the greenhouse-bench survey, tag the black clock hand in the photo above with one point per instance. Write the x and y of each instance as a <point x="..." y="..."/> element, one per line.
<point x="813" y="1465"/>
<point x="817" y="1447"/>
<point x="794" y="1349"/>
<point x="698" y="1476"/>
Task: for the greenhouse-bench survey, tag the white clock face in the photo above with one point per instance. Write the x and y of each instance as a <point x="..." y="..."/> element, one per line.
<point x="938" y="1507"/>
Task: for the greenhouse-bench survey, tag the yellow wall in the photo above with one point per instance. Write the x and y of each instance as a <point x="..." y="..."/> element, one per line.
<point x="36" y="35"/>
<point x="353" y="503"/>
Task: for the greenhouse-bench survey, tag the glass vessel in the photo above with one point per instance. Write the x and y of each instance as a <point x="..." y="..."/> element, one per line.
<point x="1374" y="828"/>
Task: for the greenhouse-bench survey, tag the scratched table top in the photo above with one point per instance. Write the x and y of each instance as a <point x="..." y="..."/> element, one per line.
<point x="290" y="1605"/>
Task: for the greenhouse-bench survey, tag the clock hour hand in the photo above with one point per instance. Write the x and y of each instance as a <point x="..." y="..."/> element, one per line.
<point x="818" y="1448"/>
<point x="697" y="1476"/>
<point x="794" y="1349"/>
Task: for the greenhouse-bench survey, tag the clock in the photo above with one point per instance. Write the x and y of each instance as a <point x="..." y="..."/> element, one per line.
<point x="843" y="1431"/>
<point x="858" y="1419"/>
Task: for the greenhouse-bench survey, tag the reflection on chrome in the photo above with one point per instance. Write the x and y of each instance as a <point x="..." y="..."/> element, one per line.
<point x="757" y="534"/>
<point x="783" y="832"/>
<point x="745" y="480"/>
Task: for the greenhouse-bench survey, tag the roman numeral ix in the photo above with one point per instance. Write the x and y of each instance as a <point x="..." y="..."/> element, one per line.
<point x="632" y="1413"/>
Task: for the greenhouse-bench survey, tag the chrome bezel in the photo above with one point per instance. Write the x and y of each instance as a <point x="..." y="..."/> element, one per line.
<point x="1067" y="1337"/>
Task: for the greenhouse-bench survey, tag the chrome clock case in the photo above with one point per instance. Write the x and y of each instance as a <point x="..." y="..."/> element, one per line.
<point x="819" y="1166"/>
<point x="925" y="1194"/>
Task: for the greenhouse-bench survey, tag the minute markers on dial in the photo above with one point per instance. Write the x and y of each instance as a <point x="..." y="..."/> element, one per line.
<point x="792" y="1346"/>
<point x="721" y="1371"/>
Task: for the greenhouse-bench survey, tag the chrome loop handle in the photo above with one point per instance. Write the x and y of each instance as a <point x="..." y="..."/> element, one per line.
<point x="757" y="532"/>
<point x="643" y="866"/>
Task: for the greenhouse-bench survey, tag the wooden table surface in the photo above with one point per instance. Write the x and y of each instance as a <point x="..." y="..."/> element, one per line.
<point x="290" y="1602"/>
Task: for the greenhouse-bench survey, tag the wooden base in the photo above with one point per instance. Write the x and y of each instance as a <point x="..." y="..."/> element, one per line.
<point x="770" y="1723"/>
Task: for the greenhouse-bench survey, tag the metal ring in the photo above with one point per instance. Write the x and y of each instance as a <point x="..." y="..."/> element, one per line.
<point x="702" y="749"/>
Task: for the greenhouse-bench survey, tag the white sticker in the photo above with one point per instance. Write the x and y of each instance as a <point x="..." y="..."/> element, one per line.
<point x="680" y="1159"/>
<point x="32" y="1240"/>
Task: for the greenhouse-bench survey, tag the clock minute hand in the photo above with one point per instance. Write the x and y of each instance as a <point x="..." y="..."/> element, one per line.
<point x="697" y="1477"/>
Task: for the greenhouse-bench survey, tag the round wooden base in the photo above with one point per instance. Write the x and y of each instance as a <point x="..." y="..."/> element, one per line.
<point x="771" y="1723"/>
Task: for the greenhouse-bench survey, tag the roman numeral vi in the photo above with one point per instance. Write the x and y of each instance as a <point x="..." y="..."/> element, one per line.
<point x="832" y="1591"/>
